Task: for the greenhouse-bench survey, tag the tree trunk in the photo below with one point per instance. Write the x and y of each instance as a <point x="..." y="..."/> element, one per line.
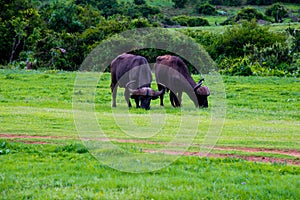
<point x="15" y="46"/>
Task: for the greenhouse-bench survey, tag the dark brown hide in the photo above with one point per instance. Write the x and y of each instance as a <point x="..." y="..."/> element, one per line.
<point x="203" y="90"/>
<point x="131" y="72"/>
<point x="145" y="91"/>
<point x="172" y="73"/>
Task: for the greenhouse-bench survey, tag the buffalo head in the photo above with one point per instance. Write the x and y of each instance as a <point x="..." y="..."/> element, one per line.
<point x="143" y="95"/>
<point x="202" y="92"/>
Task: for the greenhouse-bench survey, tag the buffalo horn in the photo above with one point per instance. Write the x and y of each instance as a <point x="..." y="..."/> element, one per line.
<point x="145" y="91"/>
<point x="154" y="93"/>
<point x="138" y="92"/>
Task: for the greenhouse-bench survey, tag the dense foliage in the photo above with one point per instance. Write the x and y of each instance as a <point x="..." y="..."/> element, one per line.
<point x="179" y="3"/>
<point x="249" y="2"/>
<point x="277" y="11"/>
<point x="207" y="9"/>
<point x="250" y="49"/>
<point x="184" y="20"/>
<point x="60" y="34"/>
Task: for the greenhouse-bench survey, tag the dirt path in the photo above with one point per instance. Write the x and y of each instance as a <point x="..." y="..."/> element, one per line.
<point x="254" y="158"/>
<point x="226" y="155"/>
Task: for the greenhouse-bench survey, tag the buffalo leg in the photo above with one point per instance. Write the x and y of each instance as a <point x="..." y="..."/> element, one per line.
<point x="137" y="101"/>
<point x="174" y="100"/>
<point x="114" y="95"/>
<point x="127" y="96"/>
<point x="179" y="99"/>
<point x="160" y="87"/>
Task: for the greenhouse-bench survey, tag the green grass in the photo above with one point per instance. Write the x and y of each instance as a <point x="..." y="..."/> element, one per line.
<point x="66" y="172"/>
<point x="259" y="109"/>
<point x="260" y="112"/>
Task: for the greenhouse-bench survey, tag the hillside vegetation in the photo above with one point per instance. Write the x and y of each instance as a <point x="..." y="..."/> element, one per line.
<point x="238" y="35"/>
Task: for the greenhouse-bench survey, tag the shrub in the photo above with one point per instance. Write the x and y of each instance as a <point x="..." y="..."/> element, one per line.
<point x="226" y="2"/>
<point x="277" y="11"/>
<point x="139" y="23"/>
<point x="179" y="3"/>
<point x="207" y="9"/>
<point x="184" y="20"/>
<point x="232" y="41"/>
<point x="277" y="56"/>
<point x="236" y="66"/>
<point x="139" y="2"/>
<point x="108" y="7"/>
<point x="207" y="39"/>
<point x="248" y="14"/>
<point x="135" y="11"/>
<point x="260" y="2"/>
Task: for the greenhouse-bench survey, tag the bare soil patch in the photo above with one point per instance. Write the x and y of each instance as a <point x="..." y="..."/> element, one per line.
<point x="225" y="155"/>
<point x="289" y="152"/>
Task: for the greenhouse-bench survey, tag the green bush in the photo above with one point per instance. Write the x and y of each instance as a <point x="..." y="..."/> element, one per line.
<point x="206" y="9"/>
<point x="277" y="11"/>
<point x="277" y="57"/>
<point x="139" y="2"/>
<point x="139" y="23"/>
<point x="249" y="2"/>
<point x="135" y="11"/>
<point x="244" y="66"/>
<point x="236" y="66"/>
<point x="184" y="20"/>
<point x="226" y="2"/>
<point x="248" y="14"/>
<point x="207" y="39"/>
<point x="179" y="3"/>
<point x="260" y="2"/>
<point x="231" y="43"/>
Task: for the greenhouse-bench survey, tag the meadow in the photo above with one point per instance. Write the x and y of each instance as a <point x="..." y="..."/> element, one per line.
<point x="244" y="146"/>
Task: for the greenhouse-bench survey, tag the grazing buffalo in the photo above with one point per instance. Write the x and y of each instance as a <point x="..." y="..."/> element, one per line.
<point x="133" y="73"/>
<point x="172" y="74"/>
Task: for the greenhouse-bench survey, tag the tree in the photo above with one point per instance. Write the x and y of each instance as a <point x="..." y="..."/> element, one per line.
<point x="62" y="16"/>
<point x="89" y="16"/>
<point x="17" y="23"/>
<point x="277" y="11"/>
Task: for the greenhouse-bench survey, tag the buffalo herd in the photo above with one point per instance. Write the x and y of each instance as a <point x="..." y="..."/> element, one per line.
<point x="133" y="73"/>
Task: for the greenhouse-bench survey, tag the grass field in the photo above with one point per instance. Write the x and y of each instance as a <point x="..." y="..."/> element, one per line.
<point x="42" y="156"/>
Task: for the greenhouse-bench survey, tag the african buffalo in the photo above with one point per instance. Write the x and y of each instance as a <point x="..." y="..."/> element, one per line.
<point x="133" y="73"/>
<point x="172" y="73"/>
